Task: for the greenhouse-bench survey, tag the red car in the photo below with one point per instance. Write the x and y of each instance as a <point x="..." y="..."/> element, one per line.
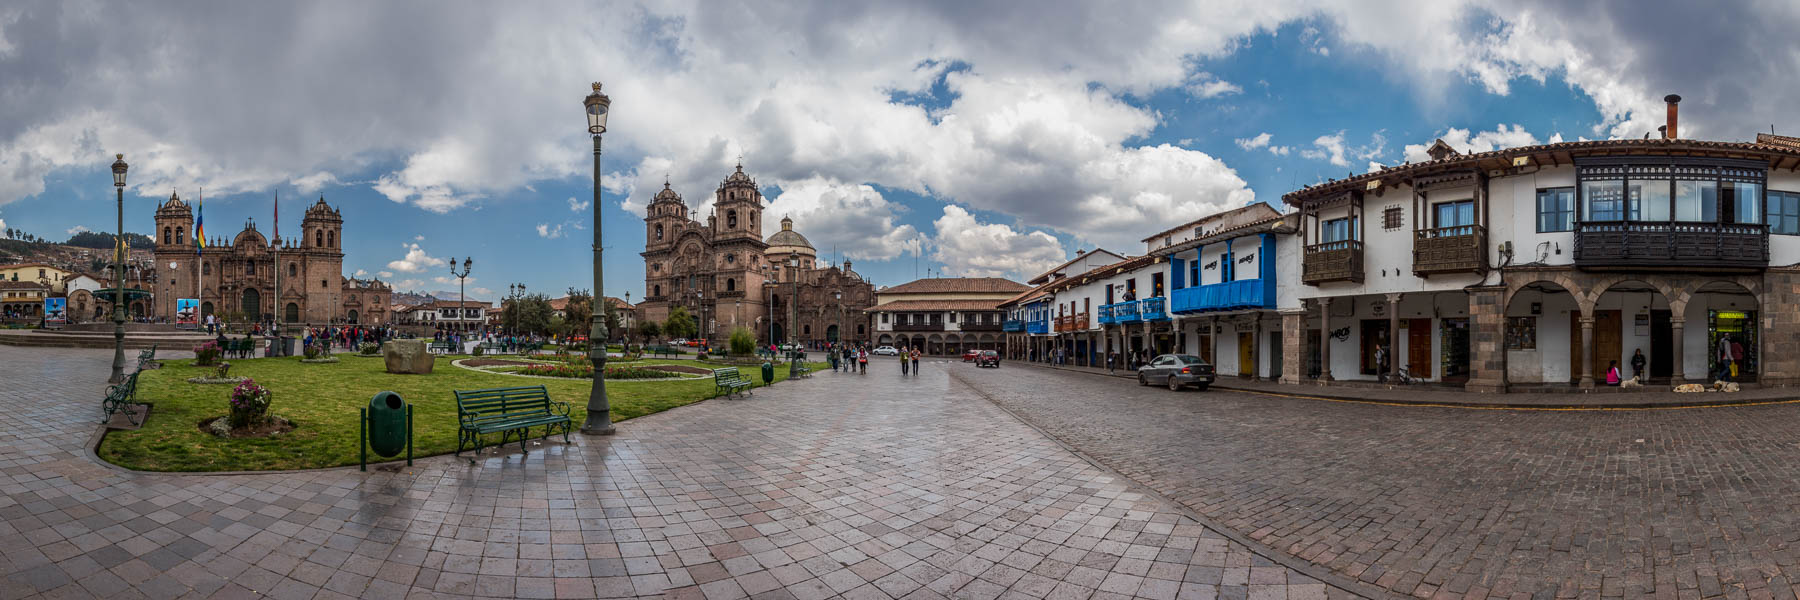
<point x="970" y="355"/>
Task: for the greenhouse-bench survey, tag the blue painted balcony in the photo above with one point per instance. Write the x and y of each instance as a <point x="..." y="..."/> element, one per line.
<point x="1038" y="326"/>
<point x="1152" y="309"/>
<point x="1106" y="314"/>
<point x="1233" y="295"/>
<point x="1122" y="312"/>
<point x="1013" y="325"/>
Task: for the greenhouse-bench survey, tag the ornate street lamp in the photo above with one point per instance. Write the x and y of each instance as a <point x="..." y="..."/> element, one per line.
<point x="462" y="301"/>
<point x="119" y="254"/>
<point x="793" y="326"/>
<point x="599" y="411"/>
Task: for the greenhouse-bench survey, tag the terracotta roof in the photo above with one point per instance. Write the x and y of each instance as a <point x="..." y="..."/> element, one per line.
<point x="942" y="285"/>
<point x="1255" y="207"/>
<point x="1026" y="295"/>
<point x="1780" y="154"/>
<point x="33" y="264"/>
<point x="1041" y="276"/>
<point x="21" y="285"/>
<point x="463" y="303"/>
<point x="1276" y="224"/>
<point x="906" y="305"/>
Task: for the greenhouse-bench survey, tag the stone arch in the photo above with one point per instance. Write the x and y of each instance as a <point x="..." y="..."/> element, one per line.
<point x="885" y="340"/>
<point x="180" y="235"/>
<point x="166" y="235"/>
<point x="331" y="239"/>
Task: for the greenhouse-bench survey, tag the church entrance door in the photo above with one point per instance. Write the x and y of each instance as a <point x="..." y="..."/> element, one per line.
<point x="252" y="305"/>
<point x="831" y="334"/>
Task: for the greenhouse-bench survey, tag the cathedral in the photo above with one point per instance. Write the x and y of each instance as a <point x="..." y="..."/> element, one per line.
<point x="727" y="275"/>
<point x="236" y="279"/>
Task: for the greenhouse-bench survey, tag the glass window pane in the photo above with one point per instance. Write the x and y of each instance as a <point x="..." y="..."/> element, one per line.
<point x="1696" y="200"/>
<point x="1603" y="200"/>
<point x="1650" y="200"/>
<point x="1747" y="200"/>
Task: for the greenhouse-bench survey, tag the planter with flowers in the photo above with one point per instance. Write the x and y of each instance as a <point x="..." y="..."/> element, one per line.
<point x="207" y="354"/>
<point x="248" y="414"/>
<point x="318" y="352"/>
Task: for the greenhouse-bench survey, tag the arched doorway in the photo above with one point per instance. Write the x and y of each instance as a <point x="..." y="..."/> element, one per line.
<point x="137" y="310"/>
<point x="206" y="309"/>
<point x="831" y="334"/>
<point x="885" y="340"/>
<point x="1630" y="317"/>
<point x="779" y="337"/>
<point x="291" y="313"/>
<point x="935" y="345"/>
<point x="1722" y="321"/>
<point x="917" y="341"/>
<point x="1541" y="346"/>
<point x="353" y="316"/>
<point x="251" y="304"/>
<point x="953" y="344"/>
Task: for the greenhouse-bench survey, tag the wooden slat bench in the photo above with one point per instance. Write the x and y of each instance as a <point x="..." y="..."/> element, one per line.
<point x="508" y="411"/>
<point x="730" y="381"/>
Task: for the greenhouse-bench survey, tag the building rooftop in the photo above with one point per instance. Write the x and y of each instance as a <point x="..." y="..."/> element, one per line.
<point x="929" y="305"/>
<point x="943" y="285"/>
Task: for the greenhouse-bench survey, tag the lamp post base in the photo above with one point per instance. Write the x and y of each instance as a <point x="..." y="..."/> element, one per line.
<point x="589" y="428"/>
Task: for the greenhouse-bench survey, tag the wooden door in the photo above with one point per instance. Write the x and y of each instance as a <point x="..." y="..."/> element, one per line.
<point x="1608" y="331"/>
<point x="1662" y="343"/>
<point x="1246" y="358"/>
<point x="1418" y="348"/>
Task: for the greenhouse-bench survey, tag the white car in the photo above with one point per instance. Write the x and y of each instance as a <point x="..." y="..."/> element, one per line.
<point x="680" y="342"/>
<point x="887" y="350"/>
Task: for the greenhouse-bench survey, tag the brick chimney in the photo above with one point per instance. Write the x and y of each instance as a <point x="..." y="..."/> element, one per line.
<point x="1673" y="101"/>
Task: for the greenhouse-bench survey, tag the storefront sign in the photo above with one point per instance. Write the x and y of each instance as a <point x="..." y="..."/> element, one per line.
<point x="1732" y="314"/>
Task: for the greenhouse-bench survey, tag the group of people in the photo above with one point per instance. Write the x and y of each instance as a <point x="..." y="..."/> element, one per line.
<point x="1728" y="361"/>
<point x="351" y="336"/>
<point x="1115" y="360"/>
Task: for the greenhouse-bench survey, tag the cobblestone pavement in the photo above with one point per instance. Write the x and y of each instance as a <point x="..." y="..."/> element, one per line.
<point x="859" y="486"/>
<point x="1452" y="502"/>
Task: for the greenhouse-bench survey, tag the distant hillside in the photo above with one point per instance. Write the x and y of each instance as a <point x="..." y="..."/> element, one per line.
<point x="102" y="240"/>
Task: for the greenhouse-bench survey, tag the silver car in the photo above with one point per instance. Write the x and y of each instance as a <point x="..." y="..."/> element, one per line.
<point x="1176" y="371"/>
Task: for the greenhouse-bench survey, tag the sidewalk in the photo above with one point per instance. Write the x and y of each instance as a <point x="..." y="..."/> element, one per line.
<point x="1430" y="395"/>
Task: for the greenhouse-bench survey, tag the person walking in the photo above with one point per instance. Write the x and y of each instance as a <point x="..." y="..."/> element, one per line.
<point x="1381" y="371"/>
<point x="915" y="361"/>
<point x="903" y="362"/>
<point x="862" y="361"/>
<point x="1724" y="355"/>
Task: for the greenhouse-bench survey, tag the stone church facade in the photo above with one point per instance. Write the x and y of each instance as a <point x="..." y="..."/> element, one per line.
<point x="727" y="275"/>
<point x="236" y="278"/>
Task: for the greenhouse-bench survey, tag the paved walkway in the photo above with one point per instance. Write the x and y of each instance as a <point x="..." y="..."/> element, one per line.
<point x="1436" y="502"/>
<point x="859" y="486"/>
<point x="1429" y="394"/>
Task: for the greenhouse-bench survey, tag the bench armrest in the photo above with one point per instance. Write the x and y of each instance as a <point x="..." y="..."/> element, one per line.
<point x="559" y="407"/>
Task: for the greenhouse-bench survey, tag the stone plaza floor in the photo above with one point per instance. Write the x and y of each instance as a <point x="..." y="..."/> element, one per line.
<point x="856" y="486"/>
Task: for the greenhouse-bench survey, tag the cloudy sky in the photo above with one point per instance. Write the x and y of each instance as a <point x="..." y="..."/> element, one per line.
<point x="967" y="138"/>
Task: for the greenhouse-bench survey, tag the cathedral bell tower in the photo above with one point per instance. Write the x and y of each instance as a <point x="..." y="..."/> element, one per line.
<point x="738" y="206"/>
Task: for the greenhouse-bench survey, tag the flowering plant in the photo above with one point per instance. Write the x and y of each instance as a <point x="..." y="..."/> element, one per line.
<point x="207" y="354"/>
<point x="249" y="404"/>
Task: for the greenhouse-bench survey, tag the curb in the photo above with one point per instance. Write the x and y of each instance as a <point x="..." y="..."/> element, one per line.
<point x="1314" y="392"/>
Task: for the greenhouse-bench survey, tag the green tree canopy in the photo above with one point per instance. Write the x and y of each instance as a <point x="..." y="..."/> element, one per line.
<point x="679" y="324"/>
<point x="528" y="315"/>
<point x="649" y="329"/>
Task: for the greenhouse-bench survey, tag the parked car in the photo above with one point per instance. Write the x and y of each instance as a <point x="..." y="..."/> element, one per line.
<point x="970" y="355"/>
<point x="1176" y="371"/>
<point x="887" y="351"/>
<point x="988" y="358"/>
<point x="678" y="342"/>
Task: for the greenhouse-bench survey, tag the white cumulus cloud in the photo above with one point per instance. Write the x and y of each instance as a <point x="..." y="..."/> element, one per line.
<point x="969" y="248"/>
<point x="416" y="260"/>
<point x="1501" y="137"/>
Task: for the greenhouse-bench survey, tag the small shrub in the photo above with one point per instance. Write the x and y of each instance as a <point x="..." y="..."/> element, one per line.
<point x="224" y="370"/>
<point x="207" y="354"/>
<point x="249" y="404"/>
<point x="743" y="341"/>
<point x="370" y="349"/>
<point x="311" y="352"/>
<point x="478" y="351"/>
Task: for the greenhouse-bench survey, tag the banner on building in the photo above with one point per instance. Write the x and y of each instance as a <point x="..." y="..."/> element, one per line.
<point x="56" y="311"/>
<point x="187" y="311"/>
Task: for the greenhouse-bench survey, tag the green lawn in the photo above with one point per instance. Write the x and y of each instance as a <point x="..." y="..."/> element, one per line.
<point x="322" y="401"/>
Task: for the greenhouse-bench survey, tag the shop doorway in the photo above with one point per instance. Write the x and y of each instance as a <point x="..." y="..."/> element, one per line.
<point x="1418" y="348"/>
<point x="1374" y="333"/>
<point x="1662" y="345"/>
<point x="1246" y="354"/>
<point x="1311" y="344"/>
<point x="1275" y="352"/>
<point x="1453" y="345"/>
<point x="1736" y="331"/>
<point x="1607" y="329"/>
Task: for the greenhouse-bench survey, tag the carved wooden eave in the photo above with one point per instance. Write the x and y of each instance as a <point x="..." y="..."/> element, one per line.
<point x="1452" y="179"/>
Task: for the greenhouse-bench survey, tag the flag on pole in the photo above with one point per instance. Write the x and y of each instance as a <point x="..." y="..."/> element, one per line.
<point x="200" y="224"/>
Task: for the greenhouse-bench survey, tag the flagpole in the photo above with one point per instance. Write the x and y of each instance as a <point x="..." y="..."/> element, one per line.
<point x="277" y="252"/>
<point x="198" y="256"/>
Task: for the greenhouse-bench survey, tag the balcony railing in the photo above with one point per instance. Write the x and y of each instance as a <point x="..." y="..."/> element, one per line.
<point x="938" y="326"/>
<point x="1461" y="249"/>
<point x="1105" y="315"/>
<point x="1333" y="261"/>
<point x="1038" y="326"/>
<point x="1231" y="295"/>
<point x="1153" y="309"/>
<point x="1013" y="325"/>
<point x="1630" y="245"/>
<point x="978" y="326"/>
<point x="1074" y="322"/>
<point x="1122" y="312"/>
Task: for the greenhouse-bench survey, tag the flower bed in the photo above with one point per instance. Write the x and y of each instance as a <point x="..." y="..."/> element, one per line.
<point x="587" y="372"/>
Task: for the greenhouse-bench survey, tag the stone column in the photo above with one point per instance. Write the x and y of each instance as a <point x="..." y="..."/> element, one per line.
<point x="1293" y="340"/>
<point x="1587" y="351"/>
<point x="1677" y="324"/>
<point x="1393" y="342"/>
<point x="1487" y="339"/>
<point x="1324" y="340"/>
<point x="1256" y="347"/>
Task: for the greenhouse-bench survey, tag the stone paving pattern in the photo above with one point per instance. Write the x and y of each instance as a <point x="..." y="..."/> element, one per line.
<point x="1453" y="502"/>
<point x="855" y="486"/>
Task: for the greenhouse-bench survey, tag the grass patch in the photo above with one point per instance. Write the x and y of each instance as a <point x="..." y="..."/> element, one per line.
<point x="322" y="401"/>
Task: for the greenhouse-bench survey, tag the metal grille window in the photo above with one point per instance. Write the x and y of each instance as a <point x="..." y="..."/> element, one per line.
<point x="1393" y="218"/>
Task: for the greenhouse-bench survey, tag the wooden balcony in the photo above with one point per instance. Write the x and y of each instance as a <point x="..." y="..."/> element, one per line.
<point x="1640" y="246"/>
<point x="1333" y="261"/>
<point x="979" y="326"/>
<point x="938" y="326"/>
<point x="1450" y="250"/>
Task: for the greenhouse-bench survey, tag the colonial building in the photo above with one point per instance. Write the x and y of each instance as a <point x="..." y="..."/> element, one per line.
<point x="236" y="278"/>
<point x="728" y="276"/>
<point x="1543" y="265"/>
<point x="944" y="315"/>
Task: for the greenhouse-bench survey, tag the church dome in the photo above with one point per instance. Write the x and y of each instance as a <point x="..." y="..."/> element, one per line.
<point x="666" y="195"/>
<point x="788" y="237"/>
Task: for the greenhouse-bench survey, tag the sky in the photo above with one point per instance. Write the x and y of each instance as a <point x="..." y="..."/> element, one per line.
<point x="952" y="137"/>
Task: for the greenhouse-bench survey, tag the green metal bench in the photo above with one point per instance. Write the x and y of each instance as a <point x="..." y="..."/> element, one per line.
<point x="241" y="347"/>
<point x="799" y="369"/>
<point x="444" y="347"/>
<point x="147" y="358"/>
<point x="508" y="411"/>
<point x="120" y="398"/>
<point x="730" y="381"/>
<point x="661" y="350"/>
<point x="492" y="347"/>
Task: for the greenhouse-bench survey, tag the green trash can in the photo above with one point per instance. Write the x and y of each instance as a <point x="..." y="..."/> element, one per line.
<point x="386" y="427"/>
<point x="768" y="373"/>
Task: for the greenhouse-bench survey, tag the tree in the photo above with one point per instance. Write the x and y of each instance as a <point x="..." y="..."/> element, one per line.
<point x="649" y="330"/>
<point x="578" y="312"/>
<point x="527" y="315"/>
<point x="679" y="324"/>
<point x="743" y="341"/>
